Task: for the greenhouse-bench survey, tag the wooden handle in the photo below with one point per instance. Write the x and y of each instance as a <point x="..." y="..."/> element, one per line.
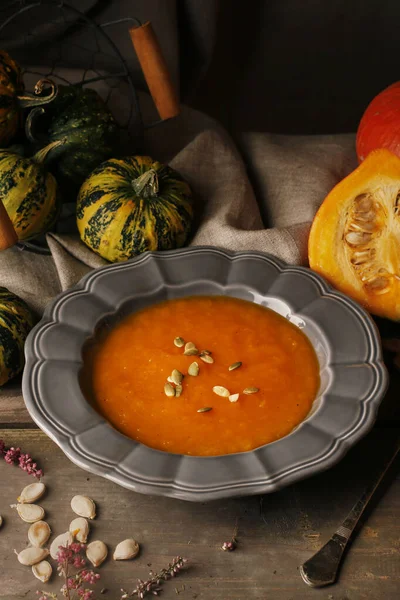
<point x="155" y="70"/>
<point x="8" y="235"/>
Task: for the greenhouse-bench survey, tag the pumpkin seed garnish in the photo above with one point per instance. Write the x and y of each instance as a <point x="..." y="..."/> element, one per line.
<point x="31" y="556"/>
<point x="176" y="377"/>
<point x="251" y="390"/>
<point x="96" y="552"/>
<point x="178" y="390"/>
<point x="127" y="549"/>
<point x="190" y="349"/>
<point x="42" y="570"/>
<point x="194" y="369"/>
<point x="169" y="379"/>
<point x="221" y="391"/>
<point x="233" y="397"/>
<point x="206" y="358"/>
<point x="64" y="539"/>
<point x="169" y="390"/>
<point x="31" y="493"/>
<point x="234" y="366"/>
<point x="204" y="409"/>
<point x="179" y="342"/>
<point x="83" y="506"/>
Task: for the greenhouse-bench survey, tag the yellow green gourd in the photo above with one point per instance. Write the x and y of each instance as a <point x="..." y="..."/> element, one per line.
<point x="133" y="204"/>
<point x="16" y="321"/>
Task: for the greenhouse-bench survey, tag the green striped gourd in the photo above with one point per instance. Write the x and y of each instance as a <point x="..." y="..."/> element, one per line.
<point x="16" y="321"/>
<point x="29" y="193"/>
<point x="133" y="204"/>
<point x="81" y="118"/>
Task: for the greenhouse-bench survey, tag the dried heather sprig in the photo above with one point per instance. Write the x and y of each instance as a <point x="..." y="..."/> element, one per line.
<point x="74" y="583"/>
<point x="25" y="462"/>
<point x="232" y="544"/>
<point x="151" y="586"/>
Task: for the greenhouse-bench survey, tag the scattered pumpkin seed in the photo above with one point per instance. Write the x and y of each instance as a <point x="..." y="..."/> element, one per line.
<point x="221" y="391"/>
<point x="178" y="390"/>
<point x="96" y="552"/>
<point x="32" y="556"/>
<point x="235" y="365"/>
<point x="206" y="352"/>
<point x="64" y="539"/>
<point x="207" y="358"/>
<point x="190" y="349"/>
<point x="42" y="571"/>
<point x="126" y="550"/>
<point x="251" y="390"/>
<point x="204" y="409"/>
<point x="31" y="493"/>
<point x="194" y="369"/>
<point x="176" y="377"/>
<point x="233" y="397"/>
<point x="169" y="390"/>
<point x="179" y="342"/>
<point x="39" y="533"/>
<point x="169" y="379"/>
<point x="83" y="506"/>
<point x="79" y="528"/>
<point x="30" y="513"/>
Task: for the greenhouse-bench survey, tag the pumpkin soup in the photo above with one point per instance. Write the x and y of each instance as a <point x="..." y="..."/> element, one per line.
<point x="203" y="375"/>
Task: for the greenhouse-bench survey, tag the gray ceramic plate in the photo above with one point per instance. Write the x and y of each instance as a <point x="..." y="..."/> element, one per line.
<point x="353" y="377"/>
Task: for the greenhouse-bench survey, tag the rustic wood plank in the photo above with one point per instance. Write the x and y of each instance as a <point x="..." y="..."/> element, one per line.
<point x="277" y="532"/>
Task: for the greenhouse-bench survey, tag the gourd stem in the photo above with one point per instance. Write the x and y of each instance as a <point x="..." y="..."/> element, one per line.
<point x="41" y="155"/>
<point x="30" y="124"/>
<point x="28" y="100"/>
<point x="146" y="185"/>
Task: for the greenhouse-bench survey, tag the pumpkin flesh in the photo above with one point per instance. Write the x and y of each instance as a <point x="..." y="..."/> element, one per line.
<point x="355" y="237"/>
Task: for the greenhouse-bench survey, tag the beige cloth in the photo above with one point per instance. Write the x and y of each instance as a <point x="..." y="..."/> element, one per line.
<point x="262" y="197"/>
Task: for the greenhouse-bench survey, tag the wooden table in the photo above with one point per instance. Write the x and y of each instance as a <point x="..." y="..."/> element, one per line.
<point x="277" y="532"/>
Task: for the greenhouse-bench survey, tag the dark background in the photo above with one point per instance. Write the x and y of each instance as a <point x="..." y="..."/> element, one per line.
<point x="300" y="66"/>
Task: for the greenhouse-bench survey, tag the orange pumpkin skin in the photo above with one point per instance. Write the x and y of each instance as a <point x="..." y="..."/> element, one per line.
<point x="354" y="238"/>
<point x="380" y="124"/>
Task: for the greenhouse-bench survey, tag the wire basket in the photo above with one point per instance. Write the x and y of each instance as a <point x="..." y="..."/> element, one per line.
<point x="65" y="45"/>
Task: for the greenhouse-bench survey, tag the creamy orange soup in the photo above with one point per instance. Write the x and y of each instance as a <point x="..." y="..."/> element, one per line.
<point x="127" y="369"/>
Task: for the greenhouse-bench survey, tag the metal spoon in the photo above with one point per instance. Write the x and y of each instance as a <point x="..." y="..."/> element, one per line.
<point x="321" y="569"/>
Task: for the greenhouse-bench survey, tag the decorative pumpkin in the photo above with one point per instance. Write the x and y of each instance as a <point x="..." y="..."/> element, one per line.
<point x="28" y="192"/>
<point x="12" y="99"/>
<point x="354" y="238"/>
<point x="81" y="118"/>
<point x="131" y="205"/>
<point x="380" y="123"/>
<point x="16" y="321"/>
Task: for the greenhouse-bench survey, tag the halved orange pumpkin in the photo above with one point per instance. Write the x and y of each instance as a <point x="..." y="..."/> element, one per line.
<point x="355" y="236"/>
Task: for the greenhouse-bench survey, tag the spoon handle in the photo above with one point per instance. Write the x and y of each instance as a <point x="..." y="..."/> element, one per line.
<point x="321" y="569"/>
